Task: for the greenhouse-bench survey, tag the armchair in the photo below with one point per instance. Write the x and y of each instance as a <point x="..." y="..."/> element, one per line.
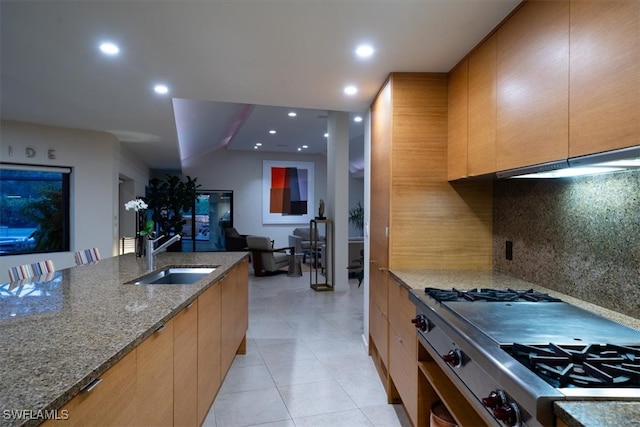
<point x="265" y="258"/>
<point x="234" y="241"/>
<point x="301" y="240"/>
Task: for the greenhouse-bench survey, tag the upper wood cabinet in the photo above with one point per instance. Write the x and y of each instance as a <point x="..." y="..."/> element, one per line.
<point x="457" y="124"/>
<point x="380" y="172"/>
<point x="604" y="84"/>
<point x="481" y="151"/>
<point x="533" y="85"/>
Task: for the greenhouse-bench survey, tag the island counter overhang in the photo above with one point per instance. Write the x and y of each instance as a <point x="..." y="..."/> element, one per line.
<point x="54" y="350"/>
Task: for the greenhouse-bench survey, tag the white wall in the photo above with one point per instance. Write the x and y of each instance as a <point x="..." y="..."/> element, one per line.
<point x="95" y="161"/>
<point x="241" y="172"/>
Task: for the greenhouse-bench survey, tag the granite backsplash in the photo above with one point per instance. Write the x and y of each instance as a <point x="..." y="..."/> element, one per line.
<point x="579" y="236"/>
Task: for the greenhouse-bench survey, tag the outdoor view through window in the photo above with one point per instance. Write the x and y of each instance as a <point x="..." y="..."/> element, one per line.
<point x="34" y="209"/>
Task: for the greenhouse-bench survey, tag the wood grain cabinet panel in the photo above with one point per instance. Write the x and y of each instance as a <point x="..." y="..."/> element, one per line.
<point x="228" y="343"/>
<point x="533" y="85"/>
<point x="209" y="326"/>
<point x="457" y="124"/>
<point x="481" y="146"/>
<point x="241" y="315"/>
<point x="381" y="124"/>
<point x="185" y="367"/>
<point x="110" y="403"/>
<point x="604" y="84"/>
<point x="403" y="353"/>
<point x="155" y="378"/>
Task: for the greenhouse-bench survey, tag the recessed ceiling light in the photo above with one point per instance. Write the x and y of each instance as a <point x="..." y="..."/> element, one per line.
<point x="161" y="89"/>
<point x="305" y="146"/>
<point x="255" y="147"/>
<point x="292" y="114"/>
<point x="258" y="144"/>
<point x="350" y="90"/>
<point x="357" y="119"/>
<point x="109" y="48"/>
<point x="272" y="132"/>
<point x="364" y="51"/>
<point x="326" y="135"/>
<point x="299" y="149"/>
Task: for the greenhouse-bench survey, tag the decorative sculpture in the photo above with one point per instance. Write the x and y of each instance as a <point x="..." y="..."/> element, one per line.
<point x="321" y="210"/>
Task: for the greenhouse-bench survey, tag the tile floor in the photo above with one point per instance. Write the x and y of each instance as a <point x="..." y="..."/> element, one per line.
<point x="306" y="363"/>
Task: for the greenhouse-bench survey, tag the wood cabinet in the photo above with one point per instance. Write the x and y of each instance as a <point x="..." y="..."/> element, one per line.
<point x="532" y="85"/>
<point x="481" y="142"/>
<point x="418" y="219"/>
<point x="458" y="132"/>
<point x="185" y="367"/>
<point x="604" y="79"/>
<point x="209" y="327"/>
<point x="234" y="297"/>
<point x="154" y="395"/>
<point x="111" y="402"/>
<point x="403" y="368"/>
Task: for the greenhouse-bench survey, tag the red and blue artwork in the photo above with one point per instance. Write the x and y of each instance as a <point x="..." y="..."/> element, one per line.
<point x="289" y="191"/>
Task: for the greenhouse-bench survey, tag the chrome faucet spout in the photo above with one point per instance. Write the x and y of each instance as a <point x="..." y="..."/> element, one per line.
<point x="151" y="252"/>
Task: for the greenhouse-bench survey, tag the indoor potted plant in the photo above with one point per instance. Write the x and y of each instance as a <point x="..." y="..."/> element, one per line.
<point x="356" y="217"/>
<point x="169" y="199"/>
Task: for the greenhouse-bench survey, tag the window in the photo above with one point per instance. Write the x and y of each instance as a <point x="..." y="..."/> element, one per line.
<point x="34" y="209"/>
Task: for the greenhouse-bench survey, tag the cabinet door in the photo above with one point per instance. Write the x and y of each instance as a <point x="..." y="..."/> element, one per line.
<point x="604" y="84"/>
<point x="380" y="175"/>
<point x="229" y="342"/>
<point x="110" y="403"/>
<point x="481" y="146"/>
<point x="242" y="305"/>
<point x="155" y="378"/>
<point x="209" y="319"/>
<point x="403" y="354"/>
<point x="533" y="85"/>
<point x="457" y="121"/>
<point x="185" y="367"/>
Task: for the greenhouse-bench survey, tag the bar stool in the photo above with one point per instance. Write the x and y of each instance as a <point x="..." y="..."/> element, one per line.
<point x="87" y="256"/>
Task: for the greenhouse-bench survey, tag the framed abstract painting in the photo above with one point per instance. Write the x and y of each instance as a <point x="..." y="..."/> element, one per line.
<point x="287" y="192"/>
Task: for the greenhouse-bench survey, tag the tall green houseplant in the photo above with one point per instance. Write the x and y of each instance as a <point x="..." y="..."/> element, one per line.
<point x="169" y="199"/>
<point x="356" y="217"/>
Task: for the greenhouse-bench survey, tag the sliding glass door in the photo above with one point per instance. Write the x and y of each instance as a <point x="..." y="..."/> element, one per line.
<point x="204" y="231"/>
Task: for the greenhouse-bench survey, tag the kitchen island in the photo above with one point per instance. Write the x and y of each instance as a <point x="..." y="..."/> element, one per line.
<point x="61" y="334"/>
<point x="576" y="412"/>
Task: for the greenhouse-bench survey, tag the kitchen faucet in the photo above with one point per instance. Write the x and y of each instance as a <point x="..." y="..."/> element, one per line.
<point x="151" y="251"/>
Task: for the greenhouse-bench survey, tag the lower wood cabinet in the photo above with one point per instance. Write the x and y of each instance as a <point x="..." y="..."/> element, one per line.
<point x="403" y="355"/>
<point x="154" y="397"/>
<point x="185" y="367"/>
<point x="209" y="325"/>
<point x="173" y="376"/>
<point x="110" y="402"/>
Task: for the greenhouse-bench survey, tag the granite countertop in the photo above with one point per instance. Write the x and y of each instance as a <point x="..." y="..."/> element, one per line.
<point x="586" y="413"/>
<point x="70" y="329"/>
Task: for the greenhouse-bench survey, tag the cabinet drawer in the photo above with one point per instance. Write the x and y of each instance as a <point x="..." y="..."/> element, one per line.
<point x="403" y="369"/>
<point x="378" y="330"/>
<point x="401" y="311"/>
<point x="378" y="285"/>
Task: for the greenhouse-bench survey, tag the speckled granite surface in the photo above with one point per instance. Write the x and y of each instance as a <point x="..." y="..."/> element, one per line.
<point x="577" y="236"/>
<point x="71" y="329"/>
<point x="599" y="414"/>
<point x="575" y="414"/>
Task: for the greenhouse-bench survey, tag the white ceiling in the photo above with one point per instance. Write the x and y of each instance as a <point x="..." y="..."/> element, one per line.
<point x="227" y="64"/>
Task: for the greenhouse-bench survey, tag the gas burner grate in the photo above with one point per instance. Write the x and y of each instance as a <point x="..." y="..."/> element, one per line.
<point x="489" y="295"/>
<point x="590" y="365"/>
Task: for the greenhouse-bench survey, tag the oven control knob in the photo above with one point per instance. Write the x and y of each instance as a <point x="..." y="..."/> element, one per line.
<point x="453" y="358"/>
<point x="421" y="322"/>
<point x="509" y="414"/>
<point x="495" y="399"/>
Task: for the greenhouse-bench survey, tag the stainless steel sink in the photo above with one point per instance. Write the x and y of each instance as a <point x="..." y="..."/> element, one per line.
<point x="174" y="276"/>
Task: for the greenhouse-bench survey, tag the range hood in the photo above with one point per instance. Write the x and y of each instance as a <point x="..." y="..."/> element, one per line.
<point x="592" y="164"/>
